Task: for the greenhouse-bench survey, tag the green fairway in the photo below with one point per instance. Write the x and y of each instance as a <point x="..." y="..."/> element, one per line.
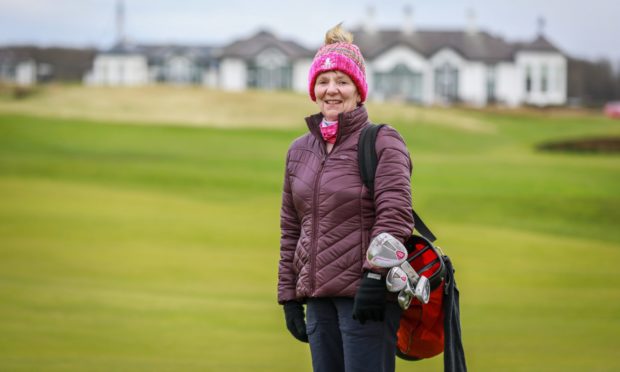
<point x="155" y="248"/>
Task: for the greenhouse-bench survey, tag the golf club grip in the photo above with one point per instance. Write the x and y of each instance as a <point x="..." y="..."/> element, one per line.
<point x="418" y="254"/>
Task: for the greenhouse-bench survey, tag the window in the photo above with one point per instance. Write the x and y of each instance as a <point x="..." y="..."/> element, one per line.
<point x="544" y="78"/>
<point x="491" y="84"/>
<point x="399" y="83"/>
<point x="446" y="83"/>
<point x="528" y="79"/>
<point x="179" y="69"/>
<point x="270" y="70"/>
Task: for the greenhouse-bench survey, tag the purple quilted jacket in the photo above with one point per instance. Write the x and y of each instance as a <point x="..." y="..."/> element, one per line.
<point x="328" y="216"/>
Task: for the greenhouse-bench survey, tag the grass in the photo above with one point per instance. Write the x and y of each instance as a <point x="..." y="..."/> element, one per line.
<point x="135" y="247"/>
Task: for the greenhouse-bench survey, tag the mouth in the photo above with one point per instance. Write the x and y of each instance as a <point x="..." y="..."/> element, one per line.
<point x="333" y="102"/>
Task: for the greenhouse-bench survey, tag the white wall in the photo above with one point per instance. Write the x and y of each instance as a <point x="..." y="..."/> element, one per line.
<point x="556" y="66"/>
<point x="301" y="68"/>
<point x="128" y="70"/>
<point x="473" y="83"/>
<point x="233" y="74"/>
<point x="509" y="84"/>
<point x="26" y="73"/>
<point x="401" y="54"/>
<point x="210" y="77"/>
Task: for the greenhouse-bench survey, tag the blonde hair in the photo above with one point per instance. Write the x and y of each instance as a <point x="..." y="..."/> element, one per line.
<point x="337" y="34"/>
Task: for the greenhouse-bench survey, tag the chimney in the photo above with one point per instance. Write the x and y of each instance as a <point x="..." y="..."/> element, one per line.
<point x="541" y="25"/>
<point x="369" y="25"/>
<point x="408" y="25"/>
<point x="472" y="26"/>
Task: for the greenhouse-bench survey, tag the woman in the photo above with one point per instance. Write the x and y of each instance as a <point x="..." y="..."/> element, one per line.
<point x="328" y="219"/>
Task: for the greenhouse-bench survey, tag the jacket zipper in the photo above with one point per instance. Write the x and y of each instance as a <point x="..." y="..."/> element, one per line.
<point x="315" y="209"/>
<point x="315" y="224"/>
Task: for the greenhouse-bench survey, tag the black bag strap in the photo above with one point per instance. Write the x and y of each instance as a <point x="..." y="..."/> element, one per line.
<point x="367" y="158"/>
<point x="453" y="353"/>
<point x="367" y="155"/>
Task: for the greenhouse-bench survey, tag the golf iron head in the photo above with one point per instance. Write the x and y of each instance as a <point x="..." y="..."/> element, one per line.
<point x="404" y="299"/>
<point x="396" y="279"/>
<point x="422" y="290"/>
<point x="386" y="251"/>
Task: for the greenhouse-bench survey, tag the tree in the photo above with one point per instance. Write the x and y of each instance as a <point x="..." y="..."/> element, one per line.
<point x="593" y="83"/>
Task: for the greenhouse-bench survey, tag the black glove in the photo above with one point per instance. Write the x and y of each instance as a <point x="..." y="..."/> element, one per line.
<point x="369" y="303"/>
<point x="295" y="320"/>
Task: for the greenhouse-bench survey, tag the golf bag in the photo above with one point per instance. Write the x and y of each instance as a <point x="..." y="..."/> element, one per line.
<point x="425" y="330"/>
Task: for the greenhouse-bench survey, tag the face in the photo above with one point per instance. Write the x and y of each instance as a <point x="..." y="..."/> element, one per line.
<point x="335" y="93"/>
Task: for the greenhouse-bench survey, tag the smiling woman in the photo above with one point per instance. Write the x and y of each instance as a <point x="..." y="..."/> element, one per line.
<point x="328" y="218"/>
<point x="335" y="93"/>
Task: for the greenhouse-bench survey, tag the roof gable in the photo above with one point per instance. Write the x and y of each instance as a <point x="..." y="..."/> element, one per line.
<point x="250" y="47"/>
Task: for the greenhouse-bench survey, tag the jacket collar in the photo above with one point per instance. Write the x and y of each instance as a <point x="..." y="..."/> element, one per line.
<point x="348" y="123"/>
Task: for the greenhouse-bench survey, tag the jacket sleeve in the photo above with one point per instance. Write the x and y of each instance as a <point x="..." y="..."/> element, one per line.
<point x="289" y="235"/>
<point x="392" y="187"/>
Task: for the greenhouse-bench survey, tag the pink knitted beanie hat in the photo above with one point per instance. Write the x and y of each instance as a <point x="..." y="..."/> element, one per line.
<point x="342" y="56"/>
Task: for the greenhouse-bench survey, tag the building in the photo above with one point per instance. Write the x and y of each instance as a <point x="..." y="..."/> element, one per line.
<point x="131" y="64"/>
<point x="176" y="64"/>
<point x="472" y="67"/>
<point x="125" y="65"/>
<point x="422" y="66"/>
<point x="119" y="66"/>
<point x="28" y="65"/>
<point x="264" y="61"/>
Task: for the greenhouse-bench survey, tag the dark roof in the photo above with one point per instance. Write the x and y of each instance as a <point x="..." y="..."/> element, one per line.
<point x="250" y="47"/>
<point x="66" y="63"/>
<point x="15" y="55"/>
<point x="477" y="46"/>
<point x="540" y="44"/>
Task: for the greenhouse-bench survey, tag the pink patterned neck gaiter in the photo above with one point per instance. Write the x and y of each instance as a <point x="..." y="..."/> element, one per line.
<point x="329" y="130"/>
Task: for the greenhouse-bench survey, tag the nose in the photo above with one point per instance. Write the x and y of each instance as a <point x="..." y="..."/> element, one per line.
<point x="332" y="88"/>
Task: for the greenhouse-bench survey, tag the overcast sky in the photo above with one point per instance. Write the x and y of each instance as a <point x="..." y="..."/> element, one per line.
<point x="586" y="29"/>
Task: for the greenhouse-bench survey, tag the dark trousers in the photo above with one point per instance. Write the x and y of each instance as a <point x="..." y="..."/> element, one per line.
<point x="339" y="343"/>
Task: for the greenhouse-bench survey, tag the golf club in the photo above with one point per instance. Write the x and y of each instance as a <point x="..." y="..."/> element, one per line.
<point x="410" y="271"/>
<point x="396" y="279"/>
<point x="422" y="290"/>
<point x="386" y="251"/>
<point x="404" y="300"/>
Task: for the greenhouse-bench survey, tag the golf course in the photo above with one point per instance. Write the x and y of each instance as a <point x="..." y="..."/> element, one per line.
<point x="139" y="230"/>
